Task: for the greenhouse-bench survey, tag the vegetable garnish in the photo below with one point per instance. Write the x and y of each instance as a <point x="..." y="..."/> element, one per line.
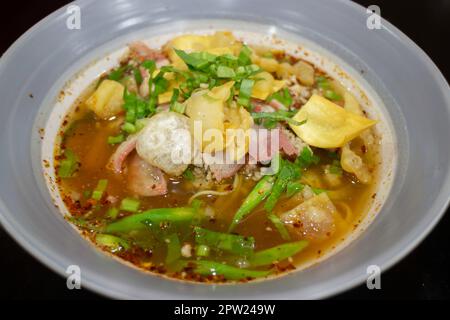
<point x="129" y="127"/>
<point x="97" y="194"/>
<point x="189" y="175"/>
<point x="112" y="242"/>
<point x="112" y="213"/>
<point x="254" y="198"/>
<point x="211" y="268"/>
<point x="173" y="248"/>
<point x="277" y="254"/>
<point x="116" y="139"/>
<point x="236" y="244"/>
<point x="174" y="104"/>
<point x="279" y="115"/>
<point x="141" y="220"/>
<point x="202" y="250"/>
<point x="306" y="158"/>
<point x="279" y="225"/>
<point x="135" y="107"/>
<point x="323" y="83"/>
<point x="129" y="204"/>
<point x="84" y="224"/>
<point x="137" y="76"/>
<point x="196" y="60"/>
<point x="68" y="165"/>
<point x="244" y="57"/>
<point x="118" y="74"/>
<point x="335" y="167"/>
<point x="318" y="190"/>
<point x="150" y="65"/>
<point x="245" y="91"/>
<point x="215" y="69"/>
<point x="282" y="96"/>
<point x="293" y="188"/>
<point x="330" y="94"/>
<point x="225" y="72"/>
<point x="288" y="172"/>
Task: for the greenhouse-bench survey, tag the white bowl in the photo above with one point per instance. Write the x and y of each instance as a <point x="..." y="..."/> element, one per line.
<point x="403" y="79"/>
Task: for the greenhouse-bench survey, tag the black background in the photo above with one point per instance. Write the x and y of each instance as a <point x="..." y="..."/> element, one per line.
<point x="423" y="274"/>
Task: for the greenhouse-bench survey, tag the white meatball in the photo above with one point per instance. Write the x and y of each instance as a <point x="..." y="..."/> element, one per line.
<point x="166" y="143"/>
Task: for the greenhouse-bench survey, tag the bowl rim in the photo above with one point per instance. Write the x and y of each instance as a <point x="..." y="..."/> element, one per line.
<point x="439" y="208"/>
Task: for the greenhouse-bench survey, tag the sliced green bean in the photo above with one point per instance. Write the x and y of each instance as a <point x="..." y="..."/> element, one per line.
<point x="278" y="253"/>
<point x="207" y="268"/>
<point x="236" y="244"/>
<point x="293" y="188"/>
<point x="112" y="242"/>
<point x="153" y="216"/>
<point x="202" y="250"/>
<point x="173" y="248"/>
<point x="279" y="225"/>
<point x="288" y="172"/>
<point x="255" y="197"/>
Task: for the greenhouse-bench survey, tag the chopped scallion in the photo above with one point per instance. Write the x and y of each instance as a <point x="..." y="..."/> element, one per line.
<point x="282" y="96"/>
<point x="137" y="76"/>
<point x="68" y="165"/>
<point x="116" y="139"/>
<point x="129" y="204"/>
<point x="245" y="92"/>
<point x="280" y="115"/>
<point x="335" y="167"/>
<point x="330" y="94"/>
<point x="112" y="213"/>
<point x="150" y="65"/>
<point x="129" y="127"/>
<point x="225" y="72"/>
<point x="245" y="56"/>
<point x="306" y="158"/>
<point x="97" y="194"/>
<point x="189" y="175"/>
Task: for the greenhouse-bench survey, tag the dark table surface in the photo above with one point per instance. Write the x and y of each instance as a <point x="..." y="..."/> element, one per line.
<point x="423" y="274"/>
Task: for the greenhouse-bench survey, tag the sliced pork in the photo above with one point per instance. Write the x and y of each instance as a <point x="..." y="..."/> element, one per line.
<point x="117" y="160"/>
<point x="145" y="179"/>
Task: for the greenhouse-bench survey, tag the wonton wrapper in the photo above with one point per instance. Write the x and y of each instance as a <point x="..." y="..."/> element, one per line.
<point x="107" y="100"/>
<point x="327" y="124"/>
<point x="219" y="43"/>
<point x="207" y="107"/>
<point x="265" y="85"/>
